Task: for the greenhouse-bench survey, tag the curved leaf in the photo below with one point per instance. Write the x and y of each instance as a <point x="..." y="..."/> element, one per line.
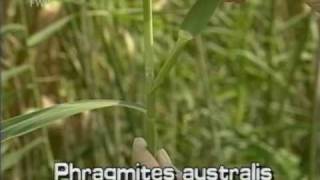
<point x="23" y="124"/>
<point x="11" y="159"/>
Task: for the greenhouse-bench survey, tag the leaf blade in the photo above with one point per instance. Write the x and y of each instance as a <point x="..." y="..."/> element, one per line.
<point x="13" y="158"/>
<point x="199" y="16"/>
<point x="26" y="123"/>
<point x="47" y="32"/>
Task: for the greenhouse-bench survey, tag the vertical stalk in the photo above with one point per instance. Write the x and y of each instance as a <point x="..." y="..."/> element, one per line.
<point x="37" y="95"/>
<point x="215" y="126"/>
<point x="150" y="124"/>
<point x="315" y="122"/>
<point x="270" y="51"/>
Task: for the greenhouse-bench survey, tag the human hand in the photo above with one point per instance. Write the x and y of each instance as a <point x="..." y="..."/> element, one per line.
<point x="141" y="155"/>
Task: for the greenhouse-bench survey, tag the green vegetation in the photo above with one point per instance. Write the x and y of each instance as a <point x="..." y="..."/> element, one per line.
<point x="213" y="83"/>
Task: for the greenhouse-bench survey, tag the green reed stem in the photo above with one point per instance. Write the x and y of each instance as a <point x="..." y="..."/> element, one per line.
<point x="45" y="133"/>
<point x="171" y="61"/>
<point x="150" y="122"/>
<point x="315" y="123"/>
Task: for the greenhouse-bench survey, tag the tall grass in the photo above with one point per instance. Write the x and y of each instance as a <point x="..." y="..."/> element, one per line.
<point x="314" y="155"/>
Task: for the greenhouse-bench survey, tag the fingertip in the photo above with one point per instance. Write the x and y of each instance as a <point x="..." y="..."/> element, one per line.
<point x="163" y="158"/>
<point x="142" y="155"/>
<point x="139" y="143"/>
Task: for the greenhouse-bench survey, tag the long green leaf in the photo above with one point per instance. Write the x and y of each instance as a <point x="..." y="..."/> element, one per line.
<point x="11" y="159"/>
<point x="199" y="16"/>
<point x="47" y="32"/>
<point x="195" y="21"/>
<point x="55" y="27"/>
<point x="8" y="74"/>
<point x="12" y="28"/>
<point x="171" y="61"/>
<point x="23" y="124"/>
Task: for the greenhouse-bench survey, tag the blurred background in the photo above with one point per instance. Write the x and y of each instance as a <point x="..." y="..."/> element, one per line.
<point x="242" y="92"/>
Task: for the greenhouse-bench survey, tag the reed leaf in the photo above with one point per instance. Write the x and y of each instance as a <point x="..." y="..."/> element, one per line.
<point x="48" y="32"/>
<point x="23" y="124"/>
<point x="12" y="28"/>
<point x="195" y="21"/>
<point x="199" y="15"/>
<point x="8" y="74"/>
<point x="11" y="159"/>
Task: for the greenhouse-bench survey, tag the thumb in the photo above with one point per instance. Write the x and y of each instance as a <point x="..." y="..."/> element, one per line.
<point x="163" y="158"/>
<point x="165" y="161"/>
<point x="141" y="154"/>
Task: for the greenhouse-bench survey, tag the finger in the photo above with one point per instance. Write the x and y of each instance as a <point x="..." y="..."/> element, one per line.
<point x="165" y="161"/>
<point x="163" y="158"/>
<point x="142" y="155"/>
